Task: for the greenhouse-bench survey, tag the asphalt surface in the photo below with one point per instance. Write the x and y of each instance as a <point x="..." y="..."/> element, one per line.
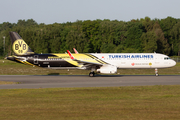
<point x="58" y="81"/>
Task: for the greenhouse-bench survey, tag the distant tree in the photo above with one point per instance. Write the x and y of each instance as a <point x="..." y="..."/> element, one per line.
<point x="119" y="49"/>
<point x="28" y="22"/>
<point x="167" y="24"/>
<point x="147" y="23"/>
<point x="108" y="48"/>
<point x="162" y="42"/>
<point x="144" y="35"/>
<point x="175" y="38"/>
<point x="6" y="25"/>
<point x="91" y="31"/>
<point x="133" y="35"/>
<point x="149" y="42"/>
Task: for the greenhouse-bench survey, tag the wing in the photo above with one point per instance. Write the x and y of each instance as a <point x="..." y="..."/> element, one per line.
<point x="86" y="64"/>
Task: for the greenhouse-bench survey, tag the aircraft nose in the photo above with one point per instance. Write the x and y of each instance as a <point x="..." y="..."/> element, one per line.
<point x="173" y="63"/>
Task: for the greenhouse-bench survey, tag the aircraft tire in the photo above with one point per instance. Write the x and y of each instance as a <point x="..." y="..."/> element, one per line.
<point x="156" y="75"/>
<point x="91" y="74"/>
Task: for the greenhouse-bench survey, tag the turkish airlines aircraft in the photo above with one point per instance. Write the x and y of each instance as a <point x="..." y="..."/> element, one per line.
<point x="107" y="63"/>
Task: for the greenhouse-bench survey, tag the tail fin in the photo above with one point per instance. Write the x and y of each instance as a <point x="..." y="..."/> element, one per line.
<point x="19" y="45"/>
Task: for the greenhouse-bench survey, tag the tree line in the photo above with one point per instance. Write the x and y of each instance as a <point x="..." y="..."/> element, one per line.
<point x="101" y="36"/>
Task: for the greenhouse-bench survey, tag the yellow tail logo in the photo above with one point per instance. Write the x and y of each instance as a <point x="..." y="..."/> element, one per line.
<point x="20" y="47"/>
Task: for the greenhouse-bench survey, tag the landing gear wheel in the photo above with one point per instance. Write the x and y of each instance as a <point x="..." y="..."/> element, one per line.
<point x="157" y="75"/>
<point x="91" y="74"/>
<point x="156" y="72"/>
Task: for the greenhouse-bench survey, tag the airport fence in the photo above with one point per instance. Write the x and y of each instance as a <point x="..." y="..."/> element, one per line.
<point x="177" y="59"/>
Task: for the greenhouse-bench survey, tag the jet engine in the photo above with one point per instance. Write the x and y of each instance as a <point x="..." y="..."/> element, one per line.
<point x="107" y="69"/>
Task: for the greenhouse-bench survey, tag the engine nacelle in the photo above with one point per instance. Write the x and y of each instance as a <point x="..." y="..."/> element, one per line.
<point x="107" y="69"/>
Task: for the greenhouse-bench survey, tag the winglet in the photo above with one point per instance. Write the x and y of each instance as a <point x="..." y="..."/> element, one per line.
<point x="71" y="56"/>
<point x="75" y="51"/>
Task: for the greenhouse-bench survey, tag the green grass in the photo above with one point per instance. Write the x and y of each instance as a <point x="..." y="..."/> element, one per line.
<point x="138" y="103"/>
<point x="125" y="103"/>
<point x="12" y="68"/>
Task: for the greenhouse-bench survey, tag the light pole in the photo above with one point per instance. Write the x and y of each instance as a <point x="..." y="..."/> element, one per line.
<point x="4" y="44"/>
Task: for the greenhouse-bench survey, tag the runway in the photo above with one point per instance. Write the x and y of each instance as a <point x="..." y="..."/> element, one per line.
<point x="63" y="81"/>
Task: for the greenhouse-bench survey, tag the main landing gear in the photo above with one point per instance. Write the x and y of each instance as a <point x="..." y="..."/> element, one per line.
<point x="91" y="74"/>
<point x="156" y="72"/>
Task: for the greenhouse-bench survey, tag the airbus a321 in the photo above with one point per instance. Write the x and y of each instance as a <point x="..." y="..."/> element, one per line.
<point x="106" y="63"/>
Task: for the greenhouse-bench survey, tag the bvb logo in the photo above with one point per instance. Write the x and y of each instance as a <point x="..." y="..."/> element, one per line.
<point x="20" y="47"/>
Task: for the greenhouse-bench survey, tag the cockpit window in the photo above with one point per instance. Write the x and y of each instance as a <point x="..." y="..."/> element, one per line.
<point x="167" y="58"/>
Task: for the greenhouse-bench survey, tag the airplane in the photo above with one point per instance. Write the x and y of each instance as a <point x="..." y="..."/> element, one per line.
<point x="106" y="63"/>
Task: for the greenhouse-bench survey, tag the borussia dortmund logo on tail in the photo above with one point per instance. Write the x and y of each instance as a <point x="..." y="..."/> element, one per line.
<point x="20" y="47"/>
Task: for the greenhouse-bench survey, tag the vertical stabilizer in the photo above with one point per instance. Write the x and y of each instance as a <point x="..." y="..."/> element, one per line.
<point x="19" y="46"/>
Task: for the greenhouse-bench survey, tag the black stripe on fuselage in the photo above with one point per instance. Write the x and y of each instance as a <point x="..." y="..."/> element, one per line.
<point x="97" y="59"/>
<point x="45" y="60"/>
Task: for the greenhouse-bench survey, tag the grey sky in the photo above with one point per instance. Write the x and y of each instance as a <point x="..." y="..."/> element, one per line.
<point x="51" y="11"/>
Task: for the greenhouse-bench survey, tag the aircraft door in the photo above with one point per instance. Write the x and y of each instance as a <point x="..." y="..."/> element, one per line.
<point x="36" y="59"/>
<point x="157" y="61"/>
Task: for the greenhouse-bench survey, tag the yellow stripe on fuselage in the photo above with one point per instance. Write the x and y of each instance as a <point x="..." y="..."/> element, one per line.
<point x="29" y="63"/>
<point x="82" y="57"/>
<point x="97" y="59"/>
<point x="25" y="62"/>
<point x="68" y="59"/>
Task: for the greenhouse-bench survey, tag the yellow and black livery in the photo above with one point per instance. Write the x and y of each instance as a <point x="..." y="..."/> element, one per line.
<point x="24" y="54"/>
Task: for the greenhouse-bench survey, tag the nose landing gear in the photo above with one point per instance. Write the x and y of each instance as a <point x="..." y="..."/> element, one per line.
<point x="156" y="72"/>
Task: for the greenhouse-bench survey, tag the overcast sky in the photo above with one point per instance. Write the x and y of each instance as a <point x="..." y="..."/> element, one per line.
<point x="62" y="11"/>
